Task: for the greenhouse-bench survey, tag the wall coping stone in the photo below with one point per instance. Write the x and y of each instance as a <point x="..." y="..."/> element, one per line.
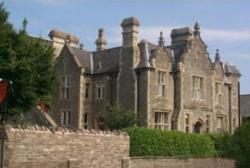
<point x="64" y="131"/>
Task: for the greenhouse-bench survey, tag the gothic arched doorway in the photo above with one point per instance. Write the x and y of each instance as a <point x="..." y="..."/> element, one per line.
<point x="198" y="127"/>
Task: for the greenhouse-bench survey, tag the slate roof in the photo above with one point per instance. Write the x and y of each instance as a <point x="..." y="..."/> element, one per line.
<point x="245" y="105"/>
<point x="105" y="61"/>
<point x="82" y="57"/>
<point x="231" y="69"/>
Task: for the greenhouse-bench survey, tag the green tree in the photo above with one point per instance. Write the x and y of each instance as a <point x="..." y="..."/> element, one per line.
<point x="116" y="118"/>
<point x="28" y="63"/>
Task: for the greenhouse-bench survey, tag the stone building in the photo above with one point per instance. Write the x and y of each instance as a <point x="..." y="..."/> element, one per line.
<point x="174" y="86"/>
<point x="245" y="106"/>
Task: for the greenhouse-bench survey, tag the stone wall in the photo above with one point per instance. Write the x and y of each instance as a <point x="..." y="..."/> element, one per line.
<point x="41" y="148"/>
<point x="177" y="163"/>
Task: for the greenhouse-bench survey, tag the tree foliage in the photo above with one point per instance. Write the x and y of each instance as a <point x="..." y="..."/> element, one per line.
<point x="240" y="145"/>
<point x="116" y="118"/>
<point x="28" y="63"/>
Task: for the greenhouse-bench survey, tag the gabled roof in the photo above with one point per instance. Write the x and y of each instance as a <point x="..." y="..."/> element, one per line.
<point x="108" y="60"/>
<point x="146" y="49"/>
<point x="82" y="57"/>
<point x="245" y="105"/>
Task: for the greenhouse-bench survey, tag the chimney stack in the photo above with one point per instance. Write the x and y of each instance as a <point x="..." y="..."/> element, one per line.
<point x="130" y="31"/>
<point x="100" y="41"/>
<point x="59" y="39"/>
<point x="181" y="36"/>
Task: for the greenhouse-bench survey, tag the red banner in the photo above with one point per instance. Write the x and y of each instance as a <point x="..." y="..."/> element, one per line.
<point x="4" y="85"/>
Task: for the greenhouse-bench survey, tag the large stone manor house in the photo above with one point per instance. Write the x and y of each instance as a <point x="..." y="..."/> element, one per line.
<point x="170" y="87"/>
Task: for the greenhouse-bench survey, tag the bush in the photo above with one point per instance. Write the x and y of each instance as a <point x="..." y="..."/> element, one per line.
<point x="149" y="142"/>
<point x="223" y="144"/>
<point x="116" y="118"/>
<point x="241" y="146"/>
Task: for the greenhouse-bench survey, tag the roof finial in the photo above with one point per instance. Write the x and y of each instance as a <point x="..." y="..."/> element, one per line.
<point x="217" y="55"/>
<point x="100" y="41"/>
<point x="161" y="40"/>
<point x="197" y="29"/>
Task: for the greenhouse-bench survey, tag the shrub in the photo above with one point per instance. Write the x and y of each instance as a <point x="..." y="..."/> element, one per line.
<point x="149" y="142"/>
<point x="223" y="144"/>
<point x="118" y="118"/>
<point x="241" y="146"/>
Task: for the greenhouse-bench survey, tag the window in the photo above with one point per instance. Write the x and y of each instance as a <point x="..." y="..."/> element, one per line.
<point x="65" y="118"/>
<point x="100" y="91"/>
<point x="187" y="123"/>
<point x="64" y="91"/>
<point x="161" y="120"/>
<point x="87" y="89"/>
<point x="85" y="121"/>
<point x="218" y="93"/>
<point x="220" y="124"/>
<point x="208" y="123"/>
<point x="197" y="88"/>
<point x="161" y="83"/>
<point x="234" y="123"/>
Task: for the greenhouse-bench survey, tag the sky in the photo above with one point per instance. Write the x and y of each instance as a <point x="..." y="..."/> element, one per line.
<point x="225" y="24"/>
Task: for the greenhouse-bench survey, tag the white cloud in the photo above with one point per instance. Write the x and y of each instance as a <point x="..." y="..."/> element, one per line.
<point x="226" y="35"/>
<point x="209" y="35"/>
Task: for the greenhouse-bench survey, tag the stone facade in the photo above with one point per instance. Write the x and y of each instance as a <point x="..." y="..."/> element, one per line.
<point x="169" y="87"/>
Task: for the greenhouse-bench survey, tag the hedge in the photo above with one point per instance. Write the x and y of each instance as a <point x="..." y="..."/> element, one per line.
<point x="149" y="142"/>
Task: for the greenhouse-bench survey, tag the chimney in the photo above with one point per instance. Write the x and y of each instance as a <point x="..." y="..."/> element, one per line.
<point x="130" y="31"/>
<point x="60" y="38"/>
<point x="181" y="36"/>
<point x="100" y="41"/>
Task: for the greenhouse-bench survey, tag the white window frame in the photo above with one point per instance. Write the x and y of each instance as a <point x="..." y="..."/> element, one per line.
<point x="66" y="117"/>
<point x="65" y="87"/>
<point x="161" y="86"/>
<point x="162" y="122"/>
<point x="100" y="91"/>
<point x="187" y="117"/>
<point x="198" y="90"/>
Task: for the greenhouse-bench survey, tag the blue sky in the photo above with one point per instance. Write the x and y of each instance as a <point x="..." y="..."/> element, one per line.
<point x="225" y="24"/>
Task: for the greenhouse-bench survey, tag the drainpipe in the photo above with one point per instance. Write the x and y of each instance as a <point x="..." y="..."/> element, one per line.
<point x="239" y="117"/>
<point x="230" y="108"/>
